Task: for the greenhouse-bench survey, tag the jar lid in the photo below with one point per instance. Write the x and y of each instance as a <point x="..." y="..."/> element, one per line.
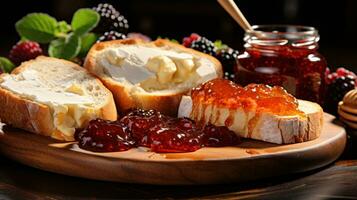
<point x="273" y="35"/>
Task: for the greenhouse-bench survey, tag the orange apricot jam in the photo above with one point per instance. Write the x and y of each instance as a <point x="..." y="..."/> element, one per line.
<point x="253" y="97"/>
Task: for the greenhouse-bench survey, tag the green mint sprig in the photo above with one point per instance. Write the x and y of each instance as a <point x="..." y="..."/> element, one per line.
<point x="84" y="20"/>
<point x="6" y="65"/>
<point x="65" y="41"/>
<point x="87" y="42"/>
<point x="166" y="38"/>
<point x="219" y="45"/>
<point x="38" y="27"/>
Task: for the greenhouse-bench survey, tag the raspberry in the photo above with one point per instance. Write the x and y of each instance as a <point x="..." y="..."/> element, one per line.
<point x="228" y="58"/>
<point x="327" y="71"/>
<point x="187" y="41"/>
<point x="110" y="19"/>
<point x="331" y="77"/>
<point x="111" y="35"/>
<point x="204" y="45"/>
<point x="24" y="51"/>
<point x="340" y="72"/>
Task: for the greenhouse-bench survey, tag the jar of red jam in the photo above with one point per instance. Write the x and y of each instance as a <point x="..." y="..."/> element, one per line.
<point x="283" y="55"/>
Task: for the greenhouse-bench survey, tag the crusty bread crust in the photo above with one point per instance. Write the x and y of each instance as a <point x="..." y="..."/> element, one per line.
<point x="263" y="126"/>
<point x="25" y="114"/>
<point x="290" y="129"/>
<point x="165" y="103"/>
<point x="36" y="117"/>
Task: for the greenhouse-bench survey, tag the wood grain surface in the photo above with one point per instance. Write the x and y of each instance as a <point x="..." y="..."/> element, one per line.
<point x="249" y="161"/>
<point x="335" y="181"/>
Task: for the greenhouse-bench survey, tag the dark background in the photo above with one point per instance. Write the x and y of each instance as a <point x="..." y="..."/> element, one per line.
<point x="335" y="20"/>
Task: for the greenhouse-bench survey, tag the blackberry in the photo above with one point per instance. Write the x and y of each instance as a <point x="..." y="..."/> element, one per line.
<point x="204" y="45"/>
<point x="105" y="8"/>
<point x="337" y="90"/>
<point x="111" y="35"/>
<point x="110" y="19"/>
<point x="228" y="58"/>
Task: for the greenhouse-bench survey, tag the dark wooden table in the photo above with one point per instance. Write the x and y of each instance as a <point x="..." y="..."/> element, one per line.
<point x="336" y="181"/>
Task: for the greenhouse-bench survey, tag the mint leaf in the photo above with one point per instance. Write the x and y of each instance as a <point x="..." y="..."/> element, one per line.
<point x="6" y="65"/>
<point x="62" y="28"/>
<point x="38" y="27"/>
<point x="66" y="48"/>
<point x="219" y="45"/>
<point x="174" y="41"/>
<point x="166" y="38"/>
<point x="84" y="20"/>
<point x="87" y="42"/>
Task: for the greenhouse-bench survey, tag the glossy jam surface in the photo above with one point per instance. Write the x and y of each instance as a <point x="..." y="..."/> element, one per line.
<point x="298" y="70"/>
<point x="151" y="129"/>
<point x="253" y="97"/>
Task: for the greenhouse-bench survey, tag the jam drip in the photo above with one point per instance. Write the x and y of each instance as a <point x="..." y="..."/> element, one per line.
<point x="253" y="97"/>
<point x="154" y="130"/>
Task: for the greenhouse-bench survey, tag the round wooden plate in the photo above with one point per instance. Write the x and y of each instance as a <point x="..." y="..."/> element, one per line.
<point x="250" y="161"/>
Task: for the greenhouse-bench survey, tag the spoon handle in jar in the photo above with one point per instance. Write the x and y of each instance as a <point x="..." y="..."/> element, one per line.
<point x="235" y="13"/>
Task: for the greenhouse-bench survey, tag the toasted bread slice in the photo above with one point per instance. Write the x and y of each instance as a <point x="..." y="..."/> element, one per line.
<point x="1" y="127"/>
<point x="53" y="97"/>
<point x="151" y="75"/>
<point x="266" y="126"/>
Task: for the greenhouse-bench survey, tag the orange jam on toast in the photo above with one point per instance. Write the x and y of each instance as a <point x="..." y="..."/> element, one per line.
<point x="253" y="97"/>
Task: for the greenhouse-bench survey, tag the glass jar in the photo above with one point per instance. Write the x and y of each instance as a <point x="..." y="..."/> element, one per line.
<point x="284" y="55"/>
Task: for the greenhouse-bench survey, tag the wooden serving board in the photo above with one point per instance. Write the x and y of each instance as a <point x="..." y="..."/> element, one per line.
<point x="251" y="160"/>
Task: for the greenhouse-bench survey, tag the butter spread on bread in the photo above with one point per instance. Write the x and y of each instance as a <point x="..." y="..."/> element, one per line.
<point x="53" y="91"/>
<point x="150" y="75"/>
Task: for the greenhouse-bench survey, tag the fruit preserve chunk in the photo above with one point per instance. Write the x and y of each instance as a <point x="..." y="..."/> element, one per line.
<point x="253" y="97"/>
<point x="154" y="130"/>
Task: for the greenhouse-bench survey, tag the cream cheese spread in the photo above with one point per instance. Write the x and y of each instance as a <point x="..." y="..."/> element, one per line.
<point x="28" y="84"/>
<point x="66" y="99"/>
<point x="137" y="64"/>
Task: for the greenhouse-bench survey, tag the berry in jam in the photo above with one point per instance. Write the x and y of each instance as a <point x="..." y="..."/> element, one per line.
<point x="218" y="136"/>
<point x="151" y="129"/>
<point x="105" y="136"/>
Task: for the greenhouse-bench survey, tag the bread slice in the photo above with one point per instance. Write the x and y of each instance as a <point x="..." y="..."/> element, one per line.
<point x="1" y="127"/>
<point x="265" y="126"/>
<point x="139" y="75"/>
<point x="52" y="97"/>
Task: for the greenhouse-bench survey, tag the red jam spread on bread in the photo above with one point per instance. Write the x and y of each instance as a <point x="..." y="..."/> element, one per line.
<point x="253" y="97"/>
<point x="160" y="133"/>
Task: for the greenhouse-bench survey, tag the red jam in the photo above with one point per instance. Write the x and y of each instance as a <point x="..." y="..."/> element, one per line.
<point x="151" y="129"/>
<point x="253" y="97"/>
<point x="285" y="56"/>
